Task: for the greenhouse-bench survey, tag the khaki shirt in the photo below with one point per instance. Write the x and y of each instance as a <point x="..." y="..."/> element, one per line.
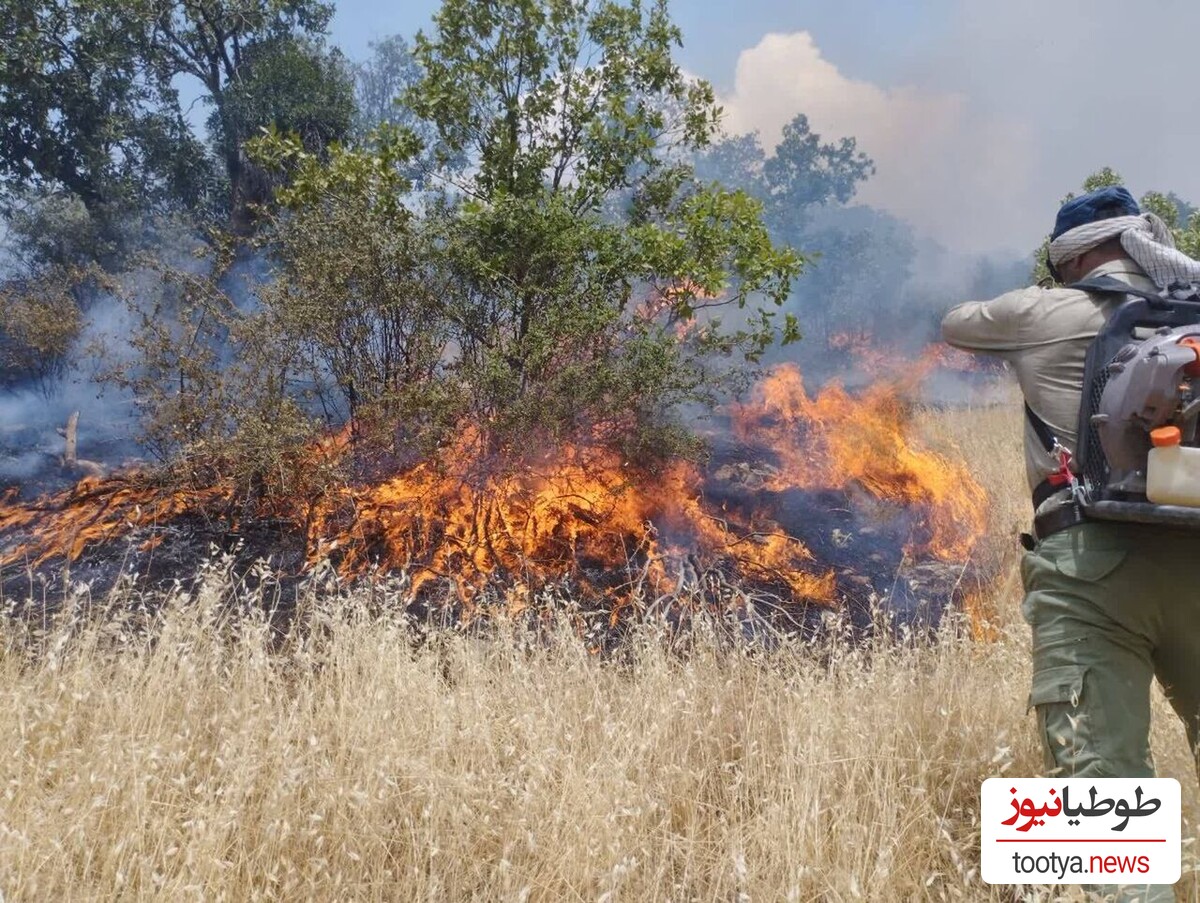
<point x="1044" y="334"/>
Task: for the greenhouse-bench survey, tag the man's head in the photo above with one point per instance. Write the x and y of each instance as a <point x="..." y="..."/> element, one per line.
<point x="1104" y="203"/>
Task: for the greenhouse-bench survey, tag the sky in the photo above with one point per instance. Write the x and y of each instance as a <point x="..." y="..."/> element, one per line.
<point x="979" y="115"/>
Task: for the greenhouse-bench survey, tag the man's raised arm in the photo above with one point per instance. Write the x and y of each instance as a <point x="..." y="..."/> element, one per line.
<point x="987" y="326"/>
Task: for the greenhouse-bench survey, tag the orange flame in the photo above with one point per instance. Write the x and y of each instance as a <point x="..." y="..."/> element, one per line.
<point x="879" y="362"/>
<point x="834" y="441"/>
<point x="96" y="511"/>
<point x="580" y="511"/>
<point x="578" y="514"/>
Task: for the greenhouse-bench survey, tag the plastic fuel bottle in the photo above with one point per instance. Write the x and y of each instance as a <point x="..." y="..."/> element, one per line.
<point x="1172" y="470"/>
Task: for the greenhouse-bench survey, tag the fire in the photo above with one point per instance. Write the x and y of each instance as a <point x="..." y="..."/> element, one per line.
<point x="883" y="363"/>
<point x="579" y="514"/>
<point x="96" y="511"/>
<point x="834" y="440"/>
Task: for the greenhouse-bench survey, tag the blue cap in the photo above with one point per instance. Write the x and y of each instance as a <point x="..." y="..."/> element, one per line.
<point x="1103" y="203"/>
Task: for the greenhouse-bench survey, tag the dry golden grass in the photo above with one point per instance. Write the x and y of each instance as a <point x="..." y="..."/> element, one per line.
<point x="194" y="755"/>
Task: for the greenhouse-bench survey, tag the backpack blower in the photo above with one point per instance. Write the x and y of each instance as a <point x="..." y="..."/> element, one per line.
<point x="1138" y="453"/>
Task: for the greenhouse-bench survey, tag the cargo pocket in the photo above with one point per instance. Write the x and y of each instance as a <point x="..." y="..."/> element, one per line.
<point x="1090" y="565"/>
<point x="1065" y="721"/>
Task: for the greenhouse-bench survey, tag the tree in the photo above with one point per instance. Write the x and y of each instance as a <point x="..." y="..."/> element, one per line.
<point x="574" y="116"/>
<point x="381" y="84"/>
<point x="291" y="85"/>
<point x="391" y="72"/>
<point x="360" y="302"/>
<point x="804" y="173"/>
<point x="801" y="174"/>
<point x="566" y="283"/>
<point x="736" y="161"/>
<point x="860" y="257"/>
<point x="862" y="260"/>
<point x="94" y="152"/>
<point x="86" y="112"/>
<point x="209" y="40"/>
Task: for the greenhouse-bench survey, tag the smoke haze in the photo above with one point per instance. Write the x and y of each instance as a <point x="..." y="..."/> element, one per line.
<point x="978" y="132"/>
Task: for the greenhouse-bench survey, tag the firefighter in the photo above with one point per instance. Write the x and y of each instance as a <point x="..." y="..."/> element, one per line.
<point x="1110" y="606"/>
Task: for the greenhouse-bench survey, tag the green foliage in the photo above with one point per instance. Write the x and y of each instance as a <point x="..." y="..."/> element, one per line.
<point x="558" y="91"/>
<point x="90" y="109"/>
<point x="800" y="175"/>
<point x="294" y="86"/>
<point x="1104" y="178"/>
<point x="85" y="110"/>
<point x="212" y="40"/>
<point x="205" y="412"/>
<point x="97" y="159"/>
<point x="382" y="82"/>
<point x="858" y="255"/>
<point x="803" y="172"/>
<point x="39" y="320"/>
<point x="360" y="303"/>
<point x="521" y="247"/>
<point x="563" y="286"/>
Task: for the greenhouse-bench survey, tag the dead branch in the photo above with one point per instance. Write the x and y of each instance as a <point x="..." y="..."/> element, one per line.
<point x="71" y="462"/>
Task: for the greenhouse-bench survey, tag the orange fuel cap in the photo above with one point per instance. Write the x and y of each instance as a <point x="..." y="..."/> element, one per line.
<point x="1165" y="435"/>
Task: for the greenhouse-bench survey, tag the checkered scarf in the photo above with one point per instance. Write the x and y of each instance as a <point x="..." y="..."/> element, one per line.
<point x="1145" y="238"/>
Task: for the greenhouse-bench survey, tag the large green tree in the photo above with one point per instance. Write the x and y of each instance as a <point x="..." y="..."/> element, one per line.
<point x="860" y="257"/>
<point x="573" y="276"/>
<point x="211" y="41"/>
<point x="804" y="173"/>
<point x="99" y="163"/>
<point x="292" y="85"/>
<point x="85" y="110"/>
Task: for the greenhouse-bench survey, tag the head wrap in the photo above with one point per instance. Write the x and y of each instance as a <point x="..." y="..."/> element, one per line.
<point x="1085" y="222"/>
<point x="1104" y="203"/>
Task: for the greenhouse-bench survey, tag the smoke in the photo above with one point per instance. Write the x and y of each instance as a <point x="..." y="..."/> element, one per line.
<point x="32" y="416"/>
<point x="1099" y="83"/>
<point x="988" y="121"/>
<point x="30" y="445"/>
<point x="942" y="164"/>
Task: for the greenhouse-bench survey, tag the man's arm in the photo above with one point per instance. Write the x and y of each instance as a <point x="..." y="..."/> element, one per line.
<point x="987" y="326"/>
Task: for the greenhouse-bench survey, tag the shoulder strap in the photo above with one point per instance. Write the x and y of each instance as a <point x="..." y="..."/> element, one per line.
<point x="1105" y="285"/>
<point x="1109" y="285"/>
<point x="1040" y="428"/>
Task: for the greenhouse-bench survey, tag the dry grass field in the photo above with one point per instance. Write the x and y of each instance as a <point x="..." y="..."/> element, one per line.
<point x="190" y="755"/>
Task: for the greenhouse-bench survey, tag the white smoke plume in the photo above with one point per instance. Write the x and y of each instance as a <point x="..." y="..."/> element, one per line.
<point x="940" y="165"/>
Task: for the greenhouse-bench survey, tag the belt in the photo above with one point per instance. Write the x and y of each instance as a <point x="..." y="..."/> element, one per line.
<point x="1050" y="522"/>
<point x="1044" y="490"/>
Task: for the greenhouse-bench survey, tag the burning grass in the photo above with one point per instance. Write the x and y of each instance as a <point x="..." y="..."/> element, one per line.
<point x="171" y="748"/>
<point x="810" y="498"/>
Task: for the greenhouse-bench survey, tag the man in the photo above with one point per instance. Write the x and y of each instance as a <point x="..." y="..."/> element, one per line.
<point x="1110" y="605"/>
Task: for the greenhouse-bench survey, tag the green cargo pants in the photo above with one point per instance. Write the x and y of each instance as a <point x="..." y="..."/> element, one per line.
<point x="1111" y="606"/>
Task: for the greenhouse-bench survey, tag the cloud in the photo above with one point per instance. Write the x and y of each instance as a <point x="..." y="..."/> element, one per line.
<point x="960" y="176"/>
